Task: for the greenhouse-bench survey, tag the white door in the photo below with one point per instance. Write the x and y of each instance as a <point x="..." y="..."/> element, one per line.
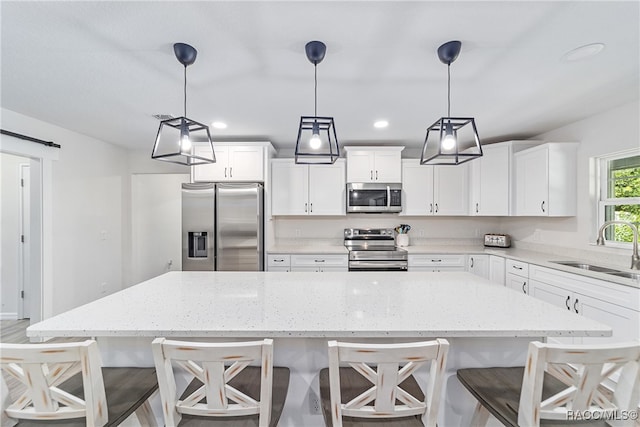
<point x="246" y="164"/>
<point x="25" y="289"/>
<point x="327" y="189"/>
<point x="156" y="224"/>
<point x="450" y="190"/>
<point x="213" y="172"/>
<point x="624" y="322"/>
<point x="496" y="269"/>
<point x="289" y="188"/>
<point x="360" y="166"/>
<point x="388" y="167"/>
<point x="479" y="265"/>
<point x="417" y="188"/>
<point x="532" y="181"/>
<point x="494" y="183"/>
<point x="559" y="297"/>
<point x="517" y="283"/>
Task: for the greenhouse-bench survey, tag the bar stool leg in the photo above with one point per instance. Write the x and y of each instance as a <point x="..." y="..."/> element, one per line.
<point x="480" y="416"/>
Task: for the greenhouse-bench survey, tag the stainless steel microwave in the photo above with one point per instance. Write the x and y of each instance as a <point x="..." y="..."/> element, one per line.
<point x="373" y="197"/>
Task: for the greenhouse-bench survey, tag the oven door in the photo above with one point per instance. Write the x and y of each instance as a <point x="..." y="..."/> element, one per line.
<point x="377" y="265"/>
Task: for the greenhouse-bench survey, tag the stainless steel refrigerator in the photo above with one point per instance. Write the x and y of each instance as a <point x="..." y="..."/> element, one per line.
<point x="222" y="227"/>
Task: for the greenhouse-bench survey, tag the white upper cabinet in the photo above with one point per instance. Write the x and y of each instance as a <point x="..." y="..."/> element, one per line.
<point x="307" y="189"/>
<point x="491" y="178"/>
<point x="545" y="178"/>
<point x="374" y="164"/>
<point x="434" y="190"/>
<point x="234" y="162"/>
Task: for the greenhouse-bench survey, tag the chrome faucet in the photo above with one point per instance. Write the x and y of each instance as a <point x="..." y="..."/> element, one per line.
<point x="635" y="259"/>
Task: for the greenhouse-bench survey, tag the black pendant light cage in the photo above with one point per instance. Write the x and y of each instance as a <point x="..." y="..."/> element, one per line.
<point x="451" y="140"/>
<point x="466" y="148"/>
<point x="317" y="141"/>
<point x="168" y="146"/>
<point x="182" y="140"/>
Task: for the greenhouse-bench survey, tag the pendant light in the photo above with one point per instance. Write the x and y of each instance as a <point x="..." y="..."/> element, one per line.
<point x="182" y="140"/>
<point x="317" y="142"/>
<point x="451" y="140"/>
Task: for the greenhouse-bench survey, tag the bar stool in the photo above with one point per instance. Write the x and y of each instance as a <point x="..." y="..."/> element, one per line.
<point x="66" y="385"/>
<point x="225" y="390"/>
<point x="387" y="392"/>
<point x="560" y="385"/>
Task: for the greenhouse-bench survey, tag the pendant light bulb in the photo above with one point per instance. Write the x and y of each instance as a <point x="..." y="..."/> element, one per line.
<point x="315" y="142"/>
<point x="185" y="142"/>
<point x="449" y="140"/>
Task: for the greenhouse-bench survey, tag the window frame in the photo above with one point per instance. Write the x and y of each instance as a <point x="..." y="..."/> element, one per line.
<point x="603" y="187"/>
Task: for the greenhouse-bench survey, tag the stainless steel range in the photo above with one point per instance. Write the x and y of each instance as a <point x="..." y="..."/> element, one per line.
<point x="374" y="249"/>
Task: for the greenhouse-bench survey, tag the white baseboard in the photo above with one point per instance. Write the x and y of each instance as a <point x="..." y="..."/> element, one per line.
<point x="8" y="316"/>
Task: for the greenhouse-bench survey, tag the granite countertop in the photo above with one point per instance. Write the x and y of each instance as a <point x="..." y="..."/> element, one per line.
<point x="271" y="304"/>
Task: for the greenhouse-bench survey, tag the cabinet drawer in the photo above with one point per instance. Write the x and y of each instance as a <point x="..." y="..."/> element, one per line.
<point x="517" y="267"/>
<point x="438" y="260"/>
<point x="278" y="260"/>
<point x="319" y="261"/>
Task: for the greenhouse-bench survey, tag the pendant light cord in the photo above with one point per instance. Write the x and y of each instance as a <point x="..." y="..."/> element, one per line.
<point x="185" y="91"/>
<point x="448" y="90"/>
<point x="315" y="90"/>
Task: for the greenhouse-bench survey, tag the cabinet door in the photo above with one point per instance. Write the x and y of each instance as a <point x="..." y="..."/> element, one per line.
<point x="492" y="172"/>
<point x="532" y="182"/>
<point x="360" y="166"/>
<point x="517" y="283"/>
<point x="327" y="189"/>
<point x="246" y="164"/>
<point x="417" y="188"/>
<point x="289" y="188"/>
<point x="479" y="265"/>
<point x="212" y="172"/>
<point x="450" y="190"/>
<point x="388" y="167"/>
<point x="496" y="269"/>
<point x="559" y="297"/>
<point x="624" y="322"/>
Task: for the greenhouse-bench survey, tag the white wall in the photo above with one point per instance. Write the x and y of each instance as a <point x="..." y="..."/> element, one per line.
<point x="90" y="210"/>
<point x="609" y="132"/>
<point x="10" y="233"/>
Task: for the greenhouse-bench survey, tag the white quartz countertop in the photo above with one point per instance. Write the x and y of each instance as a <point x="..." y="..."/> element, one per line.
<point x="308" y="249"/>
<point x="273" y="304"/>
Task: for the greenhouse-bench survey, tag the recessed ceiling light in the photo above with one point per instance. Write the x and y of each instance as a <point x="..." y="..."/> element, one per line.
<point x="583" y="52"/>
<point x="381" y="124"/>
<point x="219" y="125"/>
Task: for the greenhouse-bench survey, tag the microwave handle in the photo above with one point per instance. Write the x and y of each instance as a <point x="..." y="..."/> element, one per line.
<point x="388" y="196"/>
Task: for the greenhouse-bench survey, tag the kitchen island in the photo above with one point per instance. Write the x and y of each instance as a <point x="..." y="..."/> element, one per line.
<point x="486" y="324"/>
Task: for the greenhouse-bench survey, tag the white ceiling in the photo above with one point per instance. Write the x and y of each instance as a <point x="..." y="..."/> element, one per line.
<point x="104" y="68"/>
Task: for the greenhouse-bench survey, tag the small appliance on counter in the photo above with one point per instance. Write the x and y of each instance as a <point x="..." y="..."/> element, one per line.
<point x="497" y="240"/>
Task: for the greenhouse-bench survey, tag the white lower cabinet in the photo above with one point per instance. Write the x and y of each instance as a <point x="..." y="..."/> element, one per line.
<point x="279" y="262"/>
<point x="320" y="263"/>
<point x="615" y="305"/>
<point x="479" y="265"/>
<point x="517" y="276"/>
<point x="497" y="269"/>
<point x="437" y="262"/>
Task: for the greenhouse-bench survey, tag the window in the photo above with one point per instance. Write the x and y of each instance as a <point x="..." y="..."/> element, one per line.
<point x="620" y="195"/>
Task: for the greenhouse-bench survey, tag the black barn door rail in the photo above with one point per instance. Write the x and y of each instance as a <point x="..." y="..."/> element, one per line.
<point x="29" y="138"/>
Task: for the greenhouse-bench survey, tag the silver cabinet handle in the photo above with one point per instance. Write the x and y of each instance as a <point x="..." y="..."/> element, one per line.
<point x="477" y="210"/>
<point x="319" y="260"/>
<point x="542" y="206"/>
<point x="575" y="305"/>
<point x="436" y="260"/>
<point x="311" y="207"/>
<point x="471" y="262"/>
<point x="566" y="303"/>
<point x="516" y="267"/>
<point x="436" y="208"/>
<point x="376" y="175"/>
<point x="524" y="287"/>
<point x="430" y="207"/>
<point x="305" y="207"/>
<point x="278" y="260"/>
<point x="225" y="172"/>
<point x="371" y="173"/>
<point x="230" y="172"/>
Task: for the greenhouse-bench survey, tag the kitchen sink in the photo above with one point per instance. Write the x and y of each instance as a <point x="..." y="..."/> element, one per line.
<point x="589" y="267"/>
<point x="628" y="275"/>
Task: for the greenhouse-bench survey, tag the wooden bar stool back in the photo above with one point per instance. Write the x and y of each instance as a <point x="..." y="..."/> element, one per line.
<point x="57" y="375"/>
<point x="558" y="384"/>
<point x="379" y="383"/>
<point x="224" y="384"/>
